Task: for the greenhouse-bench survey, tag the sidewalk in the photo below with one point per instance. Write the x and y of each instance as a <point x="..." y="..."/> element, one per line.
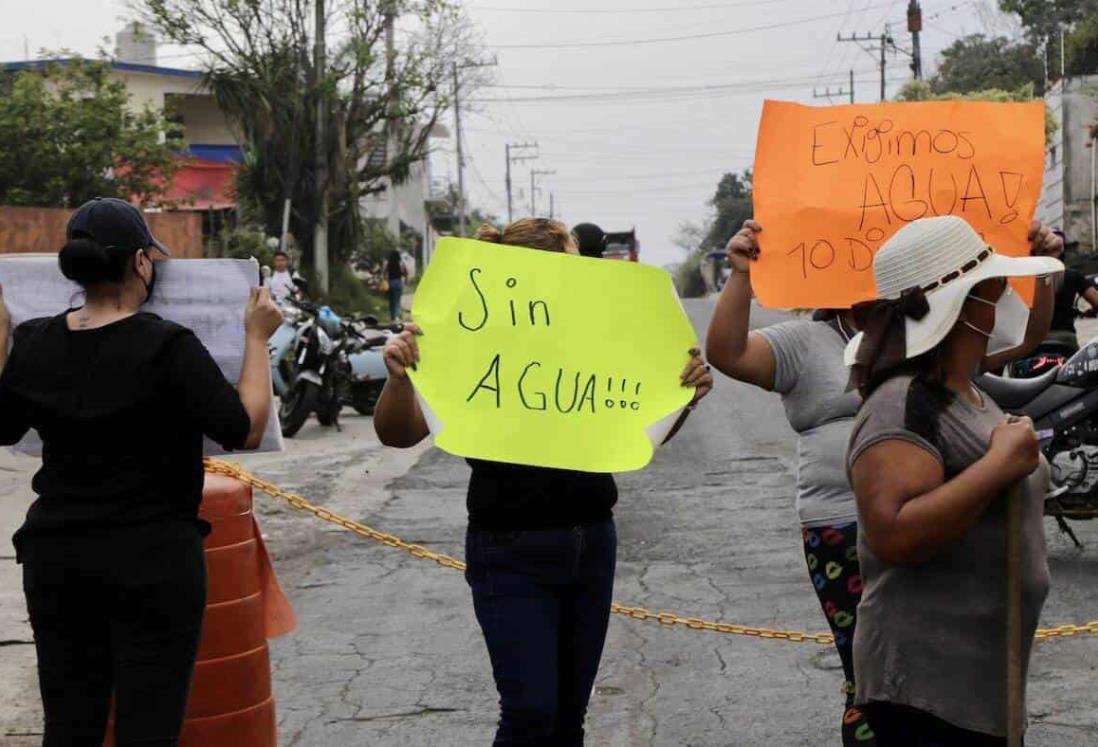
<point x="20" y="709"/>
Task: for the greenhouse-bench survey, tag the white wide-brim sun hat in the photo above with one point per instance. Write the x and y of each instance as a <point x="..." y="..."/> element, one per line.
<point x="946" y="258"/>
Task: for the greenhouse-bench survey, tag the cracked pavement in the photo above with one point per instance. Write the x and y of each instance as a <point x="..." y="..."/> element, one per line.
<point x="387" y="651"/>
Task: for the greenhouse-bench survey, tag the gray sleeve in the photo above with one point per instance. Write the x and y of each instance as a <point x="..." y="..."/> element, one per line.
<point x="789" y="343"/>
<point x="883" y="417"/>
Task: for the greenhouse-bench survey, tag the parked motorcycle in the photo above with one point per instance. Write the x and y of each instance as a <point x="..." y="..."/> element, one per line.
<point x="1063" y="404"/>
<point x="358" y="369"/>
<point x="321" y="362"/>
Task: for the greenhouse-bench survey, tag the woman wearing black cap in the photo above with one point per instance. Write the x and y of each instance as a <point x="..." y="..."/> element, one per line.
<point x="112" y="555"/>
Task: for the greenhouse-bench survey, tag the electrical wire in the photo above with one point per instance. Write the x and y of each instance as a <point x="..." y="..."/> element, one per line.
<point x="630" y="11"/>
<point x="688" y="37"/>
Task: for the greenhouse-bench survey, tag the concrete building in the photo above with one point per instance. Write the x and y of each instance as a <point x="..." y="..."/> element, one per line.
<point x="211" y="148"/>
<point x="1070" y="196"/>
<point x="404" y="207"/>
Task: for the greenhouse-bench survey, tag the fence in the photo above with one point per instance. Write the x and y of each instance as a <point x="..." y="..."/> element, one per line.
<point x="25" y="230"/>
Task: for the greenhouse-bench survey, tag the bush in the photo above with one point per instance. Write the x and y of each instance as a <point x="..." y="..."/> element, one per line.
<point x="244" y="242"/>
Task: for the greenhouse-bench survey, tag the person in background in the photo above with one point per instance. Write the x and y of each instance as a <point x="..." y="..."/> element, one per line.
<point x="1075" y="285"/>
<point x="395" y="273"/>
<point x="541" y="548"/>
<point x="283" y="283"/>
<point x="113" y="564"/>
<point x="931" y="460"/>
<point x="802" y="360"/>
<point x="590" y="240"/>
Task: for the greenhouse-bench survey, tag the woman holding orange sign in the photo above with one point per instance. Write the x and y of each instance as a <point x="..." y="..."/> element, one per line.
<point x="802" y="360"/>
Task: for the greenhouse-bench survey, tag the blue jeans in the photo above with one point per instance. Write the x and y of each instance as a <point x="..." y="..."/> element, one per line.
<point x="396" y="292"/>
<point x="542" y="598"/>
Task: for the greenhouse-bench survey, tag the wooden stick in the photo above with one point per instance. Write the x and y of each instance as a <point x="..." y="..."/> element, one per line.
<point x="1015" y="684"/>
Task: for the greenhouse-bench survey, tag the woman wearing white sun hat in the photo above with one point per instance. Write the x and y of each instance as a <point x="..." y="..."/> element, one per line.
<point x="931" y="459"/>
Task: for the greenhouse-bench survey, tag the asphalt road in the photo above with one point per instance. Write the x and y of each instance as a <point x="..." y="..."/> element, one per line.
<point x="388" y="651"/>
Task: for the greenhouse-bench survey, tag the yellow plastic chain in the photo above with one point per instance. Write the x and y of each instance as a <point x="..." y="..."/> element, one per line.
<point x="217" y="466"/>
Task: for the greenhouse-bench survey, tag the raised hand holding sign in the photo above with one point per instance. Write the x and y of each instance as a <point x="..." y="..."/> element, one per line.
<point x="549" y="359"/>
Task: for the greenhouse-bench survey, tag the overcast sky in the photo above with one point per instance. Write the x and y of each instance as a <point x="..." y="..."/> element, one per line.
<point x="637" y="132"/>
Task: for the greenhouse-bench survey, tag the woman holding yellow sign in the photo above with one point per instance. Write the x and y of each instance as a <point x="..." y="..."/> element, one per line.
<point x="540" y="548"/>
<point x="802" y="360"/>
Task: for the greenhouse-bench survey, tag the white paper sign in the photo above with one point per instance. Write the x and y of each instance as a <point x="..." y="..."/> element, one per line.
<point x="205" y="295"/>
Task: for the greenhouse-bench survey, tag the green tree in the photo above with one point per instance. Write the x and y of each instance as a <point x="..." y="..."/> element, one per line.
<point x="921" y="90"/>
<point x="379" y="109"/>
<point x="732" y="206"/>
<point x="71" y="135"/>
<point x="977" y="63"/>
<point x="1045" y="20"/>
<point x="1081" y="47"/>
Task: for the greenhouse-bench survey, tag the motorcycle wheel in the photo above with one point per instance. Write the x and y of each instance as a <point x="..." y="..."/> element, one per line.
<point x="327" y="413"/>
<point x="365" y="398"/>
<point x="297" y="406"/>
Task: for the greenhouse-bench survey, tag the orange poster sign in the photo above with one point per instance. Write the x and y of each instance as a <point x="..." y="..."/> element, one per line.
<point x="832" y="184"/>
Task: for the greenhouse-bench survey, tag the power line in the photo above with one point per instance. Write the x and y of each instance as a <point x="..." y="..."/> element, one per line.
<point x="615" y="11"/>
<point x="689" y="37"/>
<point x="676" y="93"/>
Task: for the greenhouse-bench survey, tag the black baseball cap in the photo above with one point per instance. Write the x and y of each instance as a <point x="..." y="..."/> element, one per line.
<point x="111" y="222"/>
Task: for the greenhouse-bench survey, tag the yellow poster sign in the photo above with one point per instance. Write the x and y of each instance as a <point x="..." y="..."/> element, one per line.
<point x="546" y="359"/>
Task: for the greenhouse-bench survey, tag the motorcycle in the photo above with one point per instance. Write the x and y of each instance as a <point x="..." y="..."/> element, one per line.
<point x="358" y="369"/>
<point x="1063" y="404"/>
<point x="321" y="362"/>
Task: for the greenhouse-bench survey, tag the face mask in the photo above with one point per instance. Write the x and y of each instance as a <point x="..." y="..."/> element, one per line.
<point x="152" y="280"/>
<point x="1011" y="320"/>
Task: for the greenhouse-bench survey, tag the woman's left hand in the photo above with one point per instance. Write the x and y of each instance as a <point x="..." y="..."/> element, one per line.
<point x="697" y="375"/>
<point x="1043" y="242"/>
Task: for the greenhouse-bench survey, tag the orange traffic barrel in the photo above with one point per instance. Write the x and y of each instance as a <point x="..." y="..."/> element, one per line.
<point x="231" y="704"/>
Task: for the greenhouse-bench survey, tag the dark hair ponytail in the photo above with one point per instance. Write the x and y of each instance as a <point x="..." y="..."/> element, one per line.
<point x="87" y="263"/>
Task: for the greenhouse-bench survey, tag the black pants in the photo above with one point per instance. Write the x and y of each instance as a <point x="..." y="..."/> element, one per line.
<point x="900" y="726"/>
<point x="122" y="616"/>
<point x="543" y="601"/>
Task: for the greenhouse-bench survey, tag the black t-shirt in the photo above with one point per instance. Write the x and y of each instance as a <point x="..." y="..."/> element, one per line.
<point x="1063" y="312"/>
<point x="121" y="411"/>
<point x="513" y="497"/>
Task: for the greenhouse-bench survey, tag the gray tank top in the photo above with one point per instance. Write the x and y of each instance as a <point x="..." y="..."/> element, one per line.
<point x="932" y="636"/>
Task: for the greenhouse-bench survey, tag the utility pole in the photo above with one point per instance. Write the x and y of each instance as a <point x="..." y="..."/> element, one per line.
<point x="534" y="174"/>
<point x="515" y="159"/>
<point x="915" y="27"/>
<point x="884" y="63"/>
<point x="829" y="94"/>
<point x="320" y="167"/>
<point x="552" y="206"/>
<point x="392" y="146"/>
<point x="460" y="154"/>
<point x="457" y="133"/>
<point x="885" y="43"/>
